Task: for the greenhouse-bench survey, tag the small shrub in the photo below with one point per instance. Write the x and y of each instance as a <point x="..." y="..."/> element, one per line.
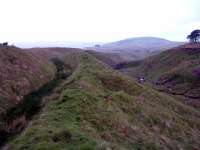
<point x="64" y="136"/>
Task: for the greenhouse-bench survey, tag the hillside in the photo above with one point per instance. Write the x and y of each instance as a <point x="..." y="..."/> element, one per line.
<point x="175" y="71"/>
<point x="53" y="52"/>
<point x="138" y="48"/>
<point x="112" y="59"/>
<point x="21" y="73"/>
<point x="99" y="108"/>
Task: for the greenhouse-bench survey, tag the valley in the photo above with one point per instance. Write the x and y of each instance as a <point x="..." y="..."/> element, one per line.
<point x="100" y="75"/>
<point x="174" y="71"/>
<point x="89" y="105"/>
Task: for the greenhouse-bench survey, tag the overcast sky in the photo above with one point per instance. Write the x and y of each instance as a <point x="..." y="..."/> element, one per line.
<point x="96" y="20"/>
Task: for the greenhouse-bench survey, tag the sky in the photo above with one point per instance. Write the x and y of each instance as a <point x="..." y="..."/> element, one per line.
<point x="96" y="20"/>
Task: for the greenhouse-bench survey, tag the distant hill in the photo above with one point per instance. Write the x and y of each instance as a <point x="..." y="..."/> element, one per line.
<point x="138" y="48"/>
<point x="175" y="71"/>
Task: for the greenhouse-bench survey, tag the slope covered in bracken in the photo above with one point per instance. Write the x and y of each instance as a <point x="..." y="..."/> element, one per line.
<point x="21" y="73"/>
<point x="176" y="71"/>
<point x="99" y="108"/>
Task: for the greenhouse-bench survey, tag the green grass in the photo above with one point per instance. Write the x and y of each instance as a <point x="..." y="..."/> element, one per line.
<point x="100" y="108"/>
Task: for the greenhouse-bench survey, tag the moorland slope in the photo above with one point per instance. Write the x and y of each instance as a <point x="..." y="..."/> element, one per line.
<point x="100" y="108"/>
<point x="175" y="71"/>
